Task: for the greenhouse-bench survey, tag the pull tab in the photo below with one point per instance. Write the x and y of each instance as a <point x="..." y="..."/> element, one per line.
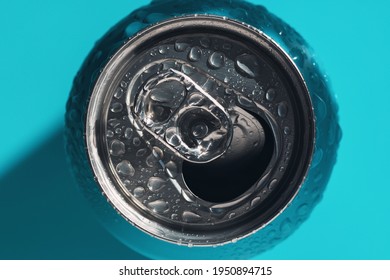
<point x="184" y="116"/>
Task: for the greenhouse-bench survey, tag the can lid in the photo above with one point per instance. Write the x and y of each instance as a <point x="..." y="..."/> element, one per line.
<point x="200" y="130"/>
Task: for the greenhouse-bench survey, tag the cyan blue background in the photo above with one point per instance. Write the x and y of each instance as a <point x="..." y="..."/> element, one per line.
<point x="42" y="45"/>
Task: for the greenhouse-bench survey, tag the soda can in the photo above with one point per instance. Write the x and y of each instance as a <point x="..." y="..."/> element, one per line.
<point x="202" y="124"/>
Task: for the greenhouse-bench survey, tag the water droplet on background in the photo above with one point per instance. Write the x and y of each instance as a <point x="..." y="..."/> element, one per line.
<point x="247" y="65"/>
<point x="216" y="60"/>
<point x="190" y="217"/>
<point x="158" y="206"/>
<point x="117" y="148"/>
<point x="156" y="183"/>
<point x="270" y="95"/>
<point x="195" y="54"/>
<point x="139" y="192"/>
<point x="125" y="168"/>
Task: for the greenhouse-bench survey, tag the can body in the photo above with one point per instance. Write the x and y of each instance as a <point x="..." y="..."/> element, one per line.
<point x="321" y="115"/>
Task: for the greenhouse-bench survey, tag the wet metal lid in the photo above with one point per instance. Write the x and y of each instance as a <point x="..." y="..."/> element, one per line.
<point x="200" y="130"/>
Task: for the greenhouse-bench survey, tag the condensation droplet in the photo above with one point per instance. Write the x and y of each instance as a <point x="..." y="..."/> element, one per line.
<point x="199" y="130"/>
<point x="157" y="153"/>
<point x="158" y="206"/>
<point x="117" y="148"/>
<point x="125" y="168"/>
<point x="171" y="169"/>
<point x="181" y="46"/>
<point x="156" y="183"/>
<point x="282" y="109"/>
<point x="118" y="93"/>
<point x="272" y="184"/>
<point x="196" y="99"/>
<point x="114" y="123"/>
<point x="270" y="95"/>
<point x="232" y="215"/>
<point x="139" y="192"/>
<point x="190" y="217"/>
<point x="255" y="201"/>
<point x="187" y="69"/>
<point x="195" y="54"/>
<point x="136" y="141"/>
<point x="110" y="134"/>
<point x="216" y="60"/>
<point x="246" y="102"/>
<point x="162" y="49"/>
<point x="171" y="137"/>
<point x="303" y="210"/>
<point x="116" y="107"/>
<point x="318" y="155"/>
<point x="287" y="130"/>
<point x="128" y="133"/>
<point x="247" y="65"/>
<point x="140" y="153"/>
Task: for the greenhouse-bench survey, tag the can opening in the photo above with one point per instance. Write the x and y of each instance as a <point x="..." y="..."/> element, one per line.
<point x="230" y="176"/>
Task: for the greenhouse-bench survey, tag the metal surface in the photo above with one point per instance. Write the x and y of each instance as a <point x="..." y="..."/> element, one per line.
<point x="200" y="130"/>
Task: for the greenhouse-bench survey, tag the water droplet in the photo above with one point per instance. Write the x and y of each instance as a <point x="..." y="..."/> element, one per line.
<point x="270" y="95"/>
<point x="195" y="54"/>
<point x="255" y="201"/>
<point x="110" y="134"/>
<point x="174" y="216"/>
<point x="282" y="109"/>
<point x="117" y="148"/>
<point x="125" y="168"/>
<point x="171" y="137"/>
<point x="114" y="123"/>
<point x="136" y="141"/>
<point x="318" y="155"/>
<point x="247" y="65"/>
<point x="156" y="183"/>
<point x="303" y="209"/>
<point x="286" y="226"/>
<point x="205" y="42"/>
<point x="123" y="84"/>
<point x="272" y="185"/>
<point x="157" y="153"/>
<point x="187" y="69"/>
<point x="128" y="133"/>
<point x="229" y="91"/>
<point x="116" y="107"/>
<point x="199" y="130"/>
<point x="216" y="60"/>
<point x="287" y="130"/>
<point x="190" y="217"/>
<point x="171" y="169"/>
<point x="226" y="80"/>
<point x="139" y="192"/>
<point x="158" y="206"/>
<point x="151" y="161"/>
<point x="181" y="46"/>
<point x="167" y="92"/>
<point x="246" y="102"/>
<point x="209" y="85"/>
<point x="140" y="153"/>
<point x="118" y="93"/>
<point x="232" y="215"/>
<point x="162" y="49"/>
<point x="196" y="99"/>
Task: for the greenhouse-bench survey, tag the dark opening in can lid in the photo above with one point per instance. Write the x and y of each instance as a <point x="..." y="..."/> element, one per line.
<point x="200" y="130"/>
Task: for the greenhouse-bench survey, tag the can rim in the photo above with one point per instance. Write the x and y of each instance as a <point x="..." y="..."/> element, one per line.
<point x="107" y="74"/>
